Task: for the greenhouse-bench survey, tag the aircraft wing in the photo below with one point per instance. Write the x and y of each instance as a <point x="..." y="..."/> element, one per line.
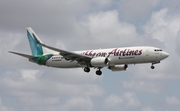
<point x="70" y="55"/>
<point x="23" y="55"/>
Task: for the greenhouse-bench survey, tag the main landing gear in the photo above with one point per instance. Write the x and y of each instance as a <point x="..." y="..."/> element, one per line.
<point x="86" y="69"/>
<point x="98" y="72"/>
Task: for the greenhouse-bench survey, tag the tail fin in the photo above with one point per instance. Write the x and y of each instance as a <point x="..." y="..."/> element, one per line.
<point x="36" y="49"/>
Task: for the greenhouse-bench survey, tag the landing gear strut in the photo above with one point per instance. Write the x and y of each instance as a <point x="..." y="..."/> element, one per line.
<point x="86" y="69"/>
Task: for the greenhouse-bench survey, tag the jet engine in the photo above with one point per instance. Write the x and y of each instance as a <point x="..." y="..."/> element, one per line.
<point x="99" y="61"/>
<point x="118" y="67"/>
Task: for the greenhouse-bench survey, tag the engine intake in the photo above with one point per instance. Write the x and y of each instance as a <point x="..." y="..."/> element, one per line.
<point x="118" y="67"/>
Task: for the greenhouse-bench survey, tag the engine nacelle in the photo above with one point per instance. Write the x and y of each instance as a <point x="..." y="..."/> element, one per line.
<point x="118" y="67"/>
<point x="99" y="61"/>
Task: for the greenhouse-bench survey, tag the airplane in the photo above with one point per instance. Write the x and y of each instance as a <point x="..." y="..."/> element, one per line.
<point x="115" y="59"/>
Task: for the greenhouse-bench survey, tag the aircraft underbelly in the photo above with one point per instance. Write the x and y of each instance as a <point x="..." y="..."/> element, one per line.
<point x="126" y="60"/>
<point x="62" y="64"/>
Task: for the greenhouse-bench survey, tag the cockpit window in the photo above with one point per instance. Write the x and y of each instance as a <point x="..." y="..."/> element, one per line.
<point x="157" y="50"/>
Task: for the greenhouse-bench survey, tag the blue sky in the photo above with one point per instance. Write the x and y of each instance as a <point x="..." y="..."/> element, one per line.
<point x="89" y="24"/>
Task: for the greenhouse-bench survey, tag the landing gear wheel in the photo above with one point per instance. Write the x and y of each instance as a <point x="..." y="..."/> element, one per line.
<point x="152" y="67"/>
<point x="99" y="72"/>
<point x="86" y="69"/>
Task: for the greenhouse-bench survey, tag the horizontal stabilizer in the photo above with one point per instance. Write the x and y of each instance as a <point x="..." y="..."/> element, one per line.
<point x="23" y="55"/>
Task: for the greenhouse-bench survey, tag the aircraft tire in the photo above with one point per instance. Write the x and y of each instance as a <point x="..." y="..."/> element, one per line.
<point x="152" y="67"/>
<point x="98" y="72"/>
<point x="86" y="69"/>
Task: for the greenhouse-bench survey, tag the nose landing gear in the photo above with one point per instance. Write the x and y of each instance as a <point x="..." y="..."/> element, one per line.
<point x="156" y="62"/>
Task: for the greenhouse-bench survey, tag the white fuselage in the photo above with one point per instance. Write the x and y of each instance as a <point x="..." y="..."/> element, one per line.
<point x="115" y="59"/>
<point x="117" y="56"/>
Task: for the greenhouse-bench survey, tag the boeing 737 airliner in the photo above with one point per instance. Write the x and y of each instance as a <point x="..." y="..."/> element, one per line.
<point x="115" y="59"/>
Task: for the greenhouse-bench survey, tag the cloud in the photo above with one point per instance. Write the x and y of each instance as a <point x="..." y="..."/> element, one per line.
<point x="35" y="91"/>
<point x="136" y="9"/>
<point x="147" y="109"/>
<point x="9" y="41"/>
<point x="4" y="108"/>
<point x="37" y="101"/>
<point x="79" y="104"/>
<point x="125" y="102"/>
<point x="30" y="75"/>
<point x="172" y="101"/>
<point x="113" y="101"/>
<point x="56" y="103"/>
<point x="148" y="86"/>
<point x="34" y="82"/>
<point x="34" y="14"/>
<point x="163" y="26"/>
<point x="102" y="3"/>
<point x="177" y="43"/>
<point x="103" y="25"/>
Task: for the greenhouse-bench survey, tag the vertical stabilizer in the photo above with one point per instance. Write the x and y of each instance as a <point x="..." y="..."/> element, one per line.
<point x="36" y="49"/>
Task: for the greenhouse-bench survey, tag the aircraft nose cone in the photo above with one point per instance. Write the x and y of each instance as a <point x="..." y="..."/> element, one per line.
<point x="165" y="54"/>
